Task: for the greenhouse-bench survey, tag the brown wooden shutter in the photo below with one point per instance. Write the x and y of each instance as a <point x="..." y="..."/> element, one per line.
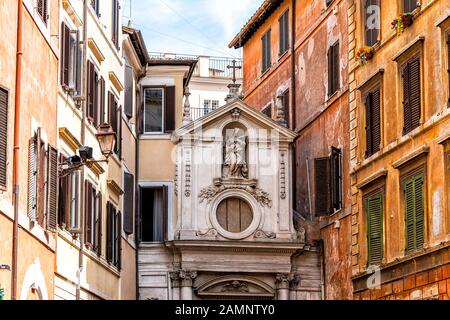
<point x="90" y="91"/>
<point x="41" y="182"/>
<point x="448" y="67"/>
<point x="45" y="11"/>
<point x="376" y="120"/>
<point x="330" y="72"/>
<point x="52" y="206"/>
<point x="369" y="110"/>
<point x="407" y="127"/>
<point x="336" y="178"/>
<point x="336" y="68"/>
<point x="98" y="223"/>
<point x="165" y="200"/>
<point x="63" y="196"/>
<point x="170" y="109"/>
<point x="286" y="106"/>
<point x="32" y="179"/>
<point x="96" y="100"/>
<point x="414" y="92"/>
<point x="129" y="92"/>
<point x="322" y="186"/>
<point x="101" y="108"/>
<point x="3" y="136"/>
<point x="128" y="221"/>
<point x="65" y="54"/>
<point x="88" y="213"/>
<point x="109" y="235"/>
<point x="118" y="240"/>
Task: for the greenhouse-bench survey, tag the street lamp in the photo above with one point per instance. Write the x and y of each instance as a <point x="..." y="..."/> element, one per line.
<point x="106" y="138"/>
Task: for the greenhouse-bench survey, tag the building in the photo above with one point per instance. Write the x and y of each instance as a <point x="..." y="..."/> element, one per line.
<point x="28" y="141"/>
<point x="295" y="57"/>
<point x="399" y="129"/>
<point x="209" y="83"/>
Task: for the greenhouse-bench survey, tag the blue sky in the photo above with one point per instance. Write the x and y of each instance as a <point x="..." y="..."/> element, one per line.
<point x="198" y="27"/>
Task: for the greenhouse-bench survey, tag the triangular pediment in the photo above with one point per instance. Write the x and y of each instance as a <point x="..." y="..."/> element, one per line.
<point x="236" y="108"/>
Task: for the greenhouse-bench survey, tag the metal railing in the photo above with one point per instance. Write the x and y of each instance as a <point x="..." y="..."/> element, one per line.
<point x="197" y="113"/>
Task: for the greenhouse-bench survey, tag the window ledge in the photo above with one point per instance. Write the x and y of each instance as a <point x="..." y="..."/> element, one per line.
<point x="157" y="136"/>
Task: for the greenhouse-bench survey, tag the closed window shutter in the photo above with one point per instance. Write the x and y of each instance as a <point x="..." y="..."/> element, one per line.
<point x="3" y="136"/>
<point x="109" y="235"/>
<point x="406" y="104"/>
<point x="375" y="229"/>
<point x="88" y="213"/>
<point x="283" y="25"/>
<point x="330" y="72"/>
<point x="322" y="186"/>
<point x="263" y="64"/>
<point x="448" y="67"/>
<point x="169" y="109"/>
<point x="118" y="240"/>
<point x="41" y="188"/>
<point x="32" y="179"/>
<point x="409" y="5"/>
<point x="376" y="120"/>
<point x="52" y="207"/>
<point x="336" y="178"/>
<point x="96" y="100"/>
<point x="414" y="213"/>
<point x="128" y="221"/>
<point x="101" y="108"/>
<point x="414" y="92"/>
<point x="165" y="200"/>
<point x="336" y="68"/>
<point x="98" y="223"/>
<point x="369" y="110"/>
<point x="45" y="15"/>
<point x="62" y="198"/>
<point x="90" y="90"/>
<point x="371" y="32"/>
<point x="65" y="53"/>
<point x="128" y="91"/>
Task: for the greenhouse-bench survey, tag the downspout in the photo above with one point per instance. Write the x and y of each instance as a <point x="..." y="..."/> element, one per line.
<point x="293" y="103"/>
<point x="322" y="269"/>
<point x="83" y="138"/>
<point x="16" y="153"/>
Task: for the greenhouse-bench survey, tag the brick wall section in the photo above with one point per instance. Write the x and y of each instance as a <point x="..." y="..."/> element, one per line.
<point x="432" y="284"/>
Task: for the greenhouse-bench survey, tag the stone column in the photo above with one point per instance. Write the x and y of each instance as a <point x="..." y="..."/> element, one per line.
<point x="187" y="118"/>
<point x="281" y="117"/>
<point x="175" y="279"/>
<point x="187" y="279"/>
<point x="282" y="285"/>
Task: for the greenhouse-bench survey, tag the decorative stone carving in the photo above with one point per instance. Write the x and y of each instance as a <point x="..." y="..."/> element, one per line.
<point x="281" y="118"/>
<point x="235" y="164"/>
<point x="248" y="186"/>
<point x="176" y="180"/>
<point x="187" y="191"/>
<point x="301" y="234"/>
<point x="235" y="286"/>
<point x="261" y="234"/>
<point x="236" y="114"/>
<point x="283" y="280"/>
<point x="187" y="277"/>
<point x="175" y="277"/>
<point x="209" y="233"/>
<point x="282" y="178"/>
<point x="187" y="108"/>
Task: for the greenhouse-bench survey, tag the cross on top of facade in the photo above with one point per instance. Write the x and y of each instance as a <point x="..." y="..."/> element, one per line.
<point x="235" y="67"/>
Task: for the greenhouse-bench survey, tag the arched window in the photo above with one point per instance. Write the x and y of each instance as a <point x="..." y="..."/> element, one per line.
<point x="234" y="215"/>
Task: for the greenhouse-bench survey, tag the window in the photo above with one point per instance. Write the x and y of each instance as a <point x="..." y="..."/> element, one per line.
<point x="333" y="70"/>
<point x="69" y="191"/>
<point x="128" y="211"/>
<point x="154" y="214"/>
<point x="206" y="107"/>
<point x="42" y="10"/>
<point x="266" y="52"/>
<point x="234" y="215"/>
<point x="42" y="183"/>
<point x="95" y="4"/>
<point x="3" y="136"/>
<point x="411" y="94"/>
<point x="70" y="60"/>
<point x="409" y="5"/>
<point x="113" y="235"/>
<point x="115" y="22"/>
<point x="129" y="91"/>
<point x="267" y="110"/>
<point x="159" y="110"/>
<point x="93" y="218"/>
<point x="283" y="23"/>
<point x="114" y="119"/>
<point x="373" y="123"/>
<point x="372" y="21"/>
<point x="374" y="213"/>
<point x="96" y="96"/>
<point x="414" y="207"/>
<point x="214" y="104"/>
<point x="328" y="183"/>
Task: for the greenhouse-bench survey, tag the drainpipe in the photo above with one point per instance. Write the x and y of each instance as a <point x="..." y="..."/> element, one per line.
<point x="16" y="154"/>
<point x="322" y="268"/>
<point x="293" y="104"/>
<point x="83" y="140"/>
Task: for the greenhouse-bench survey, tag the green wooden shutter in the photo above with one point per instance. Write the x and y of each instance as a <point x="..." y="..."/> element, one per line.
<point x="375" y="229"/>
<point x="419" y="211"/>
<point x="407" y="126"/>
<point x="414" y="213"/>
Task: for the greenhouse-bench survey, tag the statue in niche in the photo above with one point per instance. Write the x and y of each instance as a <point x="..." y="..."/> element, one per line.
<point x="235" y="164"/>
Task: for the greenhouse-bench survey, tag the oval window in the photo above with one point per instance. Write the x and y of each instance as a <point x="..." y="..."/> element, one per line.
<point x="234" y="215"/>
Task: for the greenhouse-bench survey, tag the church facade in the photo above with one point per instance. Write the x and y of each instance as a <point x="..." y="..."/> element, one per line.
<point x="225" y="224"/>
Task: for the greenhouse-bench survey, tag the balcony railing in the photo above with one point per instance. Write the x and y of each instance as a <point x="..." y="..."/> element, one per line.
<point x="197" y="113"/>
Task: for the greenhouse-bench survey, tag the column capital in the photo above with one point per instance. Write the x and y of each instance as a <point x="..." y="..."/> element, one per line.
<point x="187" y="277"/>
<point x="283" y="280"/>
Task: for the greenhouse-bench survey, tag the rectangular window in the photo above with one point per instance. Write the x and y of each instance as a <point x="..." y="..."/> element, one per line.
<point x="68" y="200"/>
<point x="129" y="91"/>
<point x="333" y="70"/>
<point x="374" y="213"/>
<point x="115" y="22"/>
<point x="409" y="5"/>
<point x="159" y="110"/>
<point x="372" y="21"/>
<point x="128" y="211"/>
<point x="154" y="214"/>
<point x="96" y="6"/>
<point x="3" y="136"/>
<point x="266" y="52"/>
<point x="93" y="218"/>
<point x="206" y="107"/>
<point x="71" y="60"/>
<point x="414" y="204"/>
<point x="267" y="111"/>
<point x="113" y="235"/>
<point x="328" y="183"/>
<point x="214" y="104"/>
<point x="42" y="10"/>
<point x="283" y="23"/>
<point x="411" y="94"/>
<point x="115" y="120"/>
<point x="94" y="95"/>
<point x="286" y="105"/>
<point x="373" y="123"/>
